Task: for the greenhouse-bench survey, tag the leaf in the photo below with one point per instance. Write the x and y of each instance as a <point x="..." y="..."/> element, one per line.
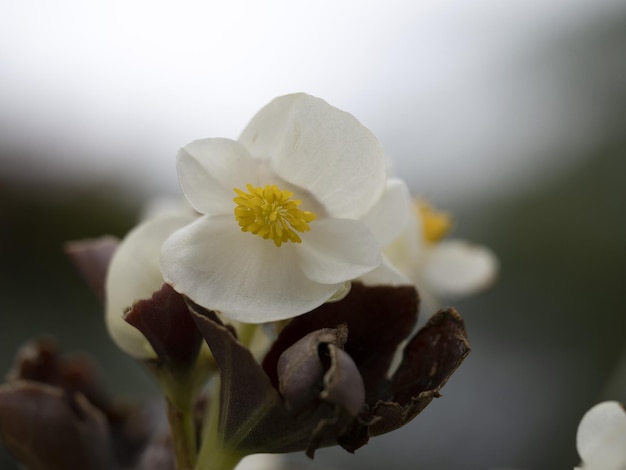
<point x="378" y="319"/>
<point x="51" y="398"/>
<point x="253" y="416"/>
<point x="165" y="321"/>
<point x="91" y="258"/>
<point x="46" y="428"/>
<point x="429" y="359"/>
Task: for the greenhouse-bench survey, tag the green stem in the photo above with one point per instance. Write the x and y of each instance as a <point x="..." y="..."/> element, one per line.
<point x="183" y="435"/>
<point x="181" y="390"/>
<point x="213" y="455"/>
<point x="246" y="332"/>
<point x="218" y="460"/>
<point x="181" y="387"/>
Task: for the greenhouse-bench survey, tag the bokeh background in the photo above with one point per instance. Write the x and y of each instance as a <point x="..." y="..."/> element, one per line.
<point x="510" y="115"/>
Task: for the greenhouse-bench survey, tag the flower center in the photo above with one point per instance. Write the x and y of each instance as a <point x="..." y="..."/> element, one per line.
<point x="270" y="213"/>
<point x="435" y="224"/>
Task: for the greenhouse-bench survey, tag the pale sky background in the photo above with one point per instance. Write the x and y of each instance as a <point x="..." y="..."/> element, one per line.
<point x="460" y="92"/>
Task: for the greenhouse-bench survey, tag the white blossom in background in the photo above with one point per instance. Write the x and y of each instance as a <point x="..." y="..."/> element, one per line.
<point x="439" y="268"/>
<point x="289" y="212"/>
<point x="135" y="271"/>
<point x="135" y="274"/>
<point x="261" y="462"/>
<point x="601" y="437"/>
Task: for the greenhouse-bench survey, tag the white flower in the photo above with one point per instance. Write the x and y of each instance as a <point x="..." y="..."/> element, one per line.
<point x="439" y="268"/>
<point x="261" y="462"/>
<point x="135" y="274"/>
<point x="601" y="437"/>
<point x="281" y="231"/>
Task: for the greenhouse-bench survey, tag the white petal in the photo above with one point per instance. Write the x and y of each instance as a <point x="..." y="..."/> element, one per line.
<point x="341" y="292"/>
<point x="261" y="462"/>
<point x="243" y="276"/>
<point x="407" y="250"/>
<point x="456" y="267"/>
<point x="385" y="275"/>
<point x="337" y="250"/>
<point x="321" y="149"/>
<point x="388" y="218"/>
<point x="166" y="206"/>
<point x="210" y="169"/>
<point x="134" y="274"/>
<point x="601" y="436"/>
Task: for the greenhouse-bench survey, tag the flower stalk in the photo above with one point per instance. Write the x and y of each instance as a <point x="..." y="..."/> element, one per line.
<point x="180" y="392"/>
<point x="212" y="453"/>
<point x="183" y="435"/>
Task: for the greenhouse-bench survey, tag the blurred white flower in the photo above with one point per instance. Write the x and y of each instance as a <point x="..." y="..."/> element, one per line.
<point x="601" y="437"/>
<point x="261" y="462"/>
<point x="135" y="274"/>
<point x="439" y="268"/>
<point x="281" y="231"/>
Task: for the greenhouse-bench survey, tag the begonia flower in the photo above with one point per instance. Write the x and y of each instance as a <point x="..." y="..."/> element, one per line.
<point x="440" y="268"/>
<point x="601" y="437"/>
<point x="281" y="231"/>
<point x="283" y="223"/>
<point x="123" y="273"/>
<point x="135" y="274"/>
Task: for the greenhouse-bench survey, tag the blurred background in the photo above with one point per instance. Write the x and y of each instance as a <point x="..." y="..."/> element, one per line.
<point x="510" y="115"/>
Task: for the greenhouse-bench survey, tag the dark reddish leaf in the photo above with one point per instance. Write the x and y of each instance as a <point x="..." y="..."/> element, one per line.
<point x="46" y="428"/>
<point x="246" y="394"/>
<point x="165" y="321"/>
<point x="343" y="384"/>
<point x="429" y="359"/>
<point x="41" y="361"/>
<point x="378" y="319"/>
<point x="431" y="356"/>
<point x="253" y="416"/>
<point x="92" y="258"/>
<point x="41" y="377"/>
<point x="311" y="391"/>
<point x="301" y="372"/>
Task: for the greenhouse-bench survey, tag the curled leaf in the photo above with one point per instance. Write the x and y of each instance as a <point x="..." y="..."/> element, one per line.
<point x="91" y="258"/>
<point x="165" y="321"/>
<point x="46" y="428"/>
<point x="318" y="402"/>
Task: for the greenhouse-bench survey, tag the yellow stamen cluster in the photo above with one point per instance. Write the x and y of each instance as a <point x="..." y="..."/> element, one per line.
<point x="435" y="224"/>
<point x="270" y="213"/>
